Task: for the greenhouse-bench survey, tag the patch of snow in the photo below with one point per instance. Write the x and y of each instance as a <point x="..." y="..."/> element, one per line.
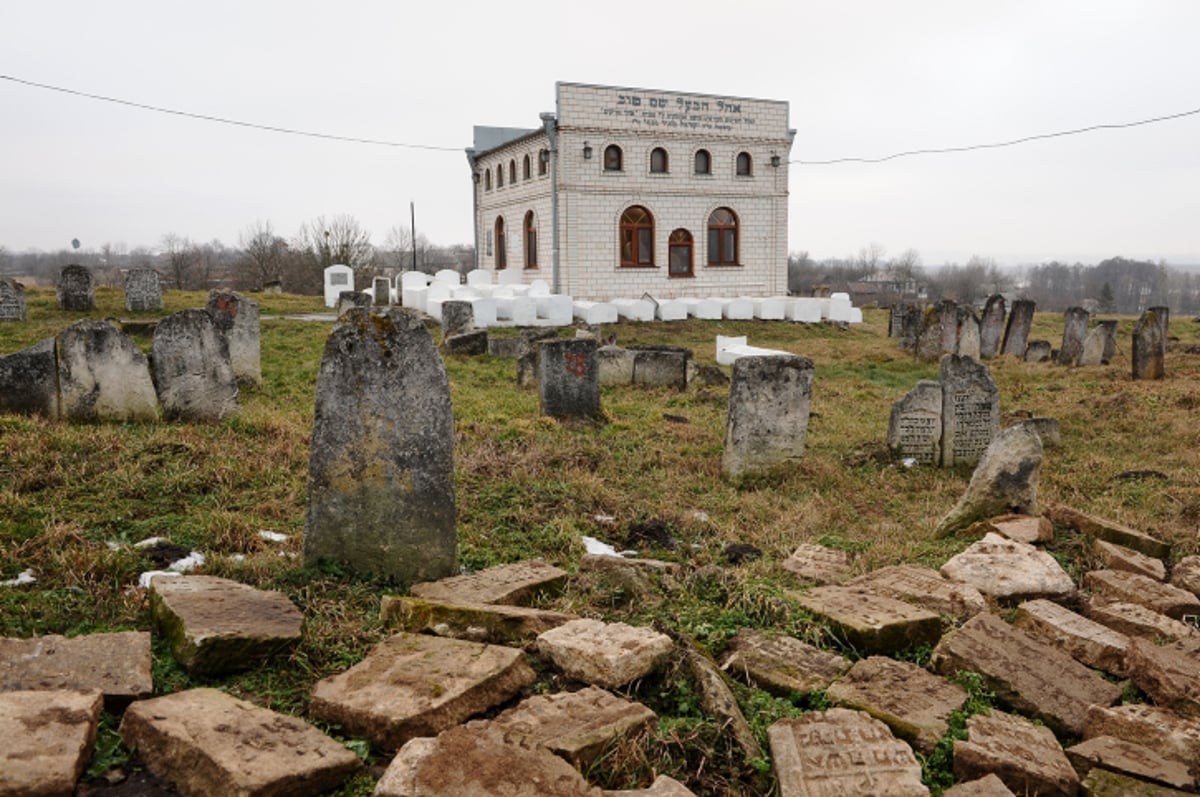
<point x="24" y="577"/>
<point x="144" y="578"/>
<point x="272" y="536"/>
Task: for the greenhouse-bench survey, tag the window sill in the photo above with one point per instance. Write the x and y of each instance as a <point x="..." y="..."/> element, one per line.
<point x="724" y="265"/>
<point x="638" y="265"/>
<point x="682" y="276"/>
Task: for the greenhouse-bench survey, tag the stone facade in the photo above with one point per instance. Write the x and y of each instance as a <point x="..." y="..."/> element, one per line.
<point x="526" y="178"/>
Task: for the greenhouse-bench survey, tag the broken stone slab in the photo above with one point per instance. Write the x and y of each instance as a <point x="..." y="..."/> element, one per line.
<point x="48" y="737"/>
<point x="415" y="685"/>
<point x="1025" y="756"/>
<point x="479" y="622"/>
<point x="475" y="760"/>
<point x="116" y="664"/>
<point x="717" y="700"/>
<point x="1025" y="673"/>
<point x="1110" y="531"/>
<point x="781" y="665"/>
<point x="604" y="654"/>
<point x="192" y="371"/>
<point x="602" y="562"/>
<point x="1084" y="640"/>
<point x="1009" y="571"/>
<point x="1047" y="429"/>
<point x="518" y="583"/>
<point x="870" y="622"/>
<point x="924" y="587"/>
<point x="840" y="751"/>
<point x="1169" y="674"/>
<point x="1028" y="529"/>
<point x="1128" y="758"/>
<point x="1186" y="574"/>
<point x="987" y="786"/>
<point x="207" y="742"/>
<point x="575" y="725"/>
<point x="818" y="564"/>
<point x="1137" y="621"/>
<point x="469" y="344"/>
<point x="103" y="375"/>
<point x="1164" y="731"/>
<point x="29" y="380"/>
<point x="237" y="317"/>
<point x="1144" y="591"/>
<point x="1102" y="783"/>
<point x="915" y="704"/>
<point x="1004" y="482"/>
<point x="215" y="625"/>
<point x="663" y="786"/>
<point x="1118" y="557"/>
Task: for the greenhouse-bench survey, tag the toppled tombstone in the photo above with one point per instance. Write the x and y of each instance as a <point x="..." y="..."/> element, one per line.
<point x="29" y="381"/>
<point x="663" y="786"/>
<point x="915" y="424"/>
<point x="1186" y="574"/>
<point x="1118" y="557"/>
<point x="869" y="622"/>
<point x="769" y="401"/>
<point x="48" y="738"/>
<point x="988" y="786"/>
<point x="1075" y="325"/>
<point x="143" y="291"/>
<point x="781" y="665"/>
<point x="1171" y="735"/>
<point x="1128" y="758"/>
<point x="818" y="564"/>
<point x="381" y="472"/>
<point x="1129" y="587"/>
<point x="1084" y="640"/>
<point x="12" y="300"/>
<point x="1133" y="620"/>
<point x="1009" y="571"/>
<point x="1025" y="756"/>
<point x="1016" y="329"/>
<point x="414" y="685"/>
<point x="1169" y="674"/>
<point x="103" y="375"/>
<point x="1004" y="482"/>
<point x="492" y="623"/>
<point x="192" y="371"/>
<point x="1029" y="529"/>
<point x="75" y="289"/>
<point x="1101" y="782"/>
<point x="604" y="654"/>
<point x="568" y="379"/>
<point x="117" y="664"/>
<point x="518" y="583"/>
<point x="838" y="752"/>
<point x="717" y="700"/>
<point x="970" y="410"/>
<point x="201" y="741"/>
<point x="216" y="626"/>
<point x="1109" y="530"/>
<point x="238" y="319"/>
<point x="924" y="587"/>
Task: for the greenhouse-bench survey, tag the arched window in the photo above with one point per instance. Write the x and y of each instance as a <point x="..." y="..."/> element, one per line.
<point x="679" y="254"/>
<point x="612" y="158"/>
<point x="512" y="171"/>
<point x="500" y="176"/>
<point x="658" y="161"/>
<point x="501" y="248"/>
<point x="525" y="173"/>
<point x="543" y="161"/>
<point x="487" y="180"/>
<point x="637" y="237"/>
<point x="722" y="238"/>
<point x="530" y="241"/>
<point x="744" y="164"/>
<point x="703" y="162"/>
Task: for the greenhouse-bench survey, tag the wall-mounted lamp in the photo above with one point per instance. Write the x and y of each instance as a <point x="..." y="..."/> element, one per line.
<point x="774" y="160"/>
<point x="587" y="151"/>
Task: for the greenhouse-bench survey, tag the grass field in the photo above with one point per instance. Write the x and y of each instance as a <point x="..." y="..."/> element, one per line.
<point x="532" y="487"/>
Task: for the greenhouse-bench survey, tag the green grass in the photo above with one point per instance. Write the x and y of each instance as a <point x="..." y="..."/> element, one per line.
<point x="532" y="487"/>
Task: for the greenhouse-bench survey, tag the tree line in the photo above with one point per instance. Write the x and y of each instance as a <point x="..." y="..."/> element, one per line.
<point x="261" y="258"/>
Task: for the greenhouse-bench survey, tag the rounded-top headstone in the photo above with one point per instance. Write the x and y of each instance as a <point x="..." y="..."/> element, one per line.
<point x="143" y="290"/>
<point x="237" y="317"/>
<point x="12" y="300"/>
<point x="75" y="289"/>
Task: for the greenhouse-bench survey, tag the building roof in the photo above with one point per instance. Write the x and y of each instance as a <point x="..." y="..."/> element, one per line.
<point x="489" y="138"/>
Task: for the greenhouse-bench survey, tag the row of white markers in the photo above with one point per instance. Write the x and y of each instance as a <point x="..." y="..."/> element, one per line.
<point x="508" y="302"/>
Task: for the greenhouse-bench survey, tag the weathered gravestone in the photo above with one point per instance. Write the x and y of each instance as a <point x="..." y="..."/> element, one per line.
<point x="1004" y="482"/>
<point x="661" y="366"/>
<point x="1092" y="351"/>
<point x="103" y="375"/>
<point x="896" y="314"/>
<point x="970" y="410"/>
<point x="1038" y="351"/>
<point x="991" y="326"/>
<point x="473" y="343"/>
<point x="910" y="327"/>
<point x="967" y="343"/>
<point x="1075" y="329"/>
<point x="12" y="300"/>
<point x="1150" y="344"/>
<point x="527" y="353"/>
<point x="75" y="289"/>
<point x="349" y="300"/>
<point x="915" y="425"/>
<point x="1110" y="340"/>
<point x="143" y="290"/>
<point x="29" y="381"/>
<point x="769" y="402"/>
<point x="928" y="341"/>
<point x="237" y="317"/>
<point x="192" y="371"/>
<point x="381" y="287"/>
<point x="568" y="378"/>
<point x="381" y="472"/>
<point x="458" y="316"/>
<point x="947" y="311"/>
<point x="1016" y="329"/>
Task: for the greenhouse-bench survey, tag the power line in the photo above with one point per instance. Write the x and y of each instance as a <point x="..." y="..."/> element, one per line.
<point x="999" y="144"/>
<point x="223" y="120"/>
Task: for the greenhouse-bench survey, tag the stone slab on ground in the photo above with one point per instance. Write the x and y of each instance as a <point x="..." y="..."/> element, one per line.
<point x="924" y="587"/>
<point x="1028" y="529"/>
<point x="663" y="786"/>
<point x="495" y="623"/>
<point x="1025" y="756"/>
<point x="575" y="725"/>
<point x="1186" y="574"/>
<point x="987" y="786"/>
<point x="601" y="562"/>
<point x="1145" y="591"/>
<point x="116" y="664"/>
<point x="818" y="564"/>
<point x="717" y="700"/>
<point x="1084" y="640"/>
<point x="1026" y="674"/>
<point x="840" y="751"/>
<point x="1164" y="731"/>
<point x="475" y="760"/>
<point x="517" y="583"/>
<point x="870" y="622"/>
<point x="604" y="654"/>
<point x="1109" y="530"/>
<point x="1118" y="557"/>
<point x="415" y="685"/>
<point x="781" y="665"/>
<point x="1128" y="758"/>
<point x="914" y="703"/>
<point x="1102" y="783"/>
<point x="1169" y="674"/>
<point x="1009" y="571"/>
<point x="1137" y="621"/>
<point x="48" y="737"/>
<point x="216" y="625"/>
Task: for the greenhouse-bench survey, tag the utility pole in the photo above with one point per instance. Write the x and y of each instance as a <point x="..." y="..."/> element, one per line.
<point x="412" y="217"/>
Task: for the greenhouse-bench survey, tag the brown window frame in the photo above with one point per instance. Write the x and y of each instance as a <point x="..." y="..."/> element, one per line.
<point x="636" y="228"/>
<point x="501" y="245"/>
<point x="681" y="238"/>
<point x="702" y="153"/>
<point x="530" y="239"/>
<point x="659" y="153"/>
<point x="748" y="170"/>
<point x="722" y="229"/>
<point x="614" y="155"/>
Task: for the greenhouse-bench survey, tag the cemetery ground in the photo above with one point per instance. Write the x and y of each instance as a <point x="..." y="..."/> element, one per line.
<point x="74" y="498"/>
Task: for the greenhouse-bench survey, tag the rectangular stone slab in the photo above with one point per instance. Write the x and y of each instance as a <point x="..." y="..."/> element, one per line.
<point x="782" y="664"/>
<point x="818" y="564"/>
<point x="1102" y="783"/>
<point x="870" y="622"/>
<point x="1109" y="530"/>
<point x="493" y="623"/>
<point x="1084" y="640"/>
<point x="1160" y="729"/>
<point x="517" y="583"/>
<point x="1137" y="621"/>
<point x="1135" y="588"/>
<point x="1128" y="758"/>
<point x="47" y="739"/>
<point x="1026" y="757"/>
<point x="1169" y="674"/>
<point x="117" y="664"/>
<point x="924" y="587"/>
<point x="1030" y="676"/>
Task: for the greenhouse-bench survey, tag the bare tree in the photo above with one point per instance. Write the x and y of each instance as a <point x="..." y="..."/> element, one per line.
<point x="6" y="261"/>
<point x="340" y="239"/>
<point x="263" y="253"/>
<point x="398" y="250"/>
<point x="177" y="255"/>
<point x="870" y="258"/>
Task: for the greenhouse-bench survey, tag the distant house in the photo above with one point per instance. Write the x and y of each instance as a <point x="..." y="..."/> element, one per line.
<point x="626" y="191"/>
<point x="885" y="287"/>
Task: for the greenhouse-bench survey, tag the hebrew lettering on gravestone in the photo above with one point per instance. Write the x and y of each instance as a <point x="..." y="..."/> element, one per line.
<point x="991" y="326"/>
<point x="568" y="374"/>
<point x="970" y="410"/>
<point x="12" y="300"/>
<point x="915" y="425"/>
<point x="143" y="291"/>
<point x="770" y="397"/>
<point x="1016" y="329"/>
<point x="237" y="317"/>
<point x="75" y="289"/>
<point x="1075" y="330"/>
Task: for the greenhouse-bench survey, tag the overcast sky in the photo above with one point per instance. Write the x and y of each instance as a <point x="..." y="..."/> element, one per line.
<point x="863" y="79"/>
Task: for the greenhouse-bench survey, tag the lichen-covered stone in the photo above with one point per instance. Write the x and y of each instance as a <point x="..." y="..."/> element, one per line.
<point x="479" y="622"/>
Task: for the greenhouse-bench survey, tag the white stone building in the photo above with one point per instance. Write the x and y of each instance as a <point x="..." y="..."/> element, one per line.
<point x="622" y="192"/>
